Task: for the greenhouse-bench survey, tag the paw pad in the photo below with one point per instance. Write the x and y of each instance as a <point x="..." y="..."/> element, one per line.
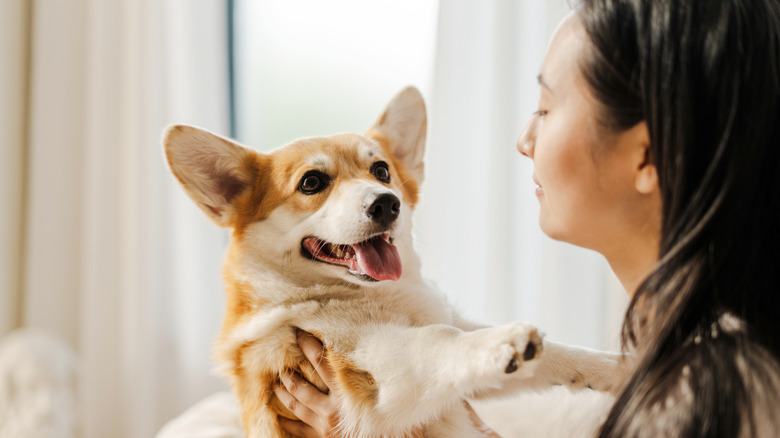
<point x="528" y="354"/>
<point x="530" y="351"/>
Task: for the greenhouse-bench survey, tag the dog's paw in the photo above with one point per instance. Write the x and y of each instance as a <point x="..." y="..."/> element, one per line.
<point x="502" y="351"/>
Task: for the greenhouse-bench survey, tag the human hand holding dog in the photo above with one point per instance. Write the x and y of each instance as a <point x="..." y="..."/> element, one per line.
<point x="317" y="411"/>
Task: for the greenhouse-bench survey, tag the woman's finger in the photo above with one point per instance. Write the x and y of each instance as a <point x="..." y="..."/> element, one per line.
<point x="308" y="395"/>
<point x="298" y="428"/>
<point x="299" y="409"/>
<point x="313" y="350"/>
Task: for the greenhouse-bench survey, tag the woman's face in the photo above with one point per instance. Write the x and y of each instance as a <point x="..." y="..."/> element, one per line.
<point x="585" y="177"/>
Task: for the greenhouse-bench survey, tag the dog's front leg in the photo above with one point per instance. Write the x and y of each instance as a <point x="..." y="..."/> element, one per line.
<point x="420" y="372"/>
<point x="577" y="367"/>
<point x="567" y="365"/>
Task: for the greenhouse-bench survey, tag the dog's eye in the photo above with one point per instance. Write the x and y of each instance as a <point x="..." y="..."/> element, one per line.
<point x="381" y="171"/>
<point x="313" y="182"/>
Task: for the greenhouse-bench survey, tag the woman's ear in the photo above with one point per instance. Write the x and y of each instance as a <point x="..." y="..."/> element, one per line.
<point x="646" y="181"/>
<point x="645" y="175"/>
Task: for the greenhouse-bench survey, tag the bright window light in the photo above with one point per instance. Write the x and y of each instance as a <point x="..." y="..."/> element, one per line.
<point x="313" y="67"/>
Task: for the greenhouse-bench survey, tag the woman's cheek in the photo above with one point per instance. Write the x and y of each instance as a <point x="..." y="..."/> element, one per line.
<point x="544" y="145"/>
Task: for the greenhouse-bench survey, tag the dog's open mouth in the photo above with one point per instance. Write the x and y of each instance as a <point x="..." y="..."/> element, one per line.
<point x="376" y="258"/>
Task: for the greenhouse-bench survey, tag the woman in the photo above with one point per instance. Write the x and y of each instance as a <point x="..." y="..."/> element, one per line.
<point x="657" y="143"/>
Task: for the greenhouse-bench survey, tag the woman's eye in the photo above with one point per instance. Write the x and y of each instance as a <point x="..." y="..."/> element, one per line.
<point x="381" y="171"/>
<point x="313" y="182"/>
<point x="540" y="113"/>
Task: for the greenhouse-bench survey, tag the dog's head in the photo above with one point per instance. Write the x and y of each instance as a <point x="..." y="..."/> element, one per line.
<point x="316" y="211"/>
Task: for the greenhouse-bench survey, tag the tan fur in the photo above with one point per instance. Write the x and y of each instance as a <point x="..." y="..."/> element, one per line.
<point x="410" y="186"/>
<point x="239" y="301"/>
<point x="355" y="381"/>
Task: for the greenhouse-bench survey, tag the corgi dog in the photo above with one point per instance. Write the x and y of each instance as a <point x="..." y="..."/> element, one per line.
<point x="321" y="240"/>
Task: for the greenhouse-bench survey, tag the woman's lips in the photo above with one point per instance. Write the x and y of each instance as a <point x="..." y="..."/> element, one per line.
<point x="539" y="189"/>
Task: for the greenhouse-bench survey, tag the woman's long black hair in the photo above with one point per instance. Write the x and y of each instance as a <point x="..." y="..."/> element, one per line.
<point x="705" y="77"/>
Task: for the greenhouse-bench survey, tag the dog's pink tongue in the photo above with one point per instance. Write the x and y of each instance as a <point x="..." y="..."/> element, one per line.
<point x="378" y="259"/>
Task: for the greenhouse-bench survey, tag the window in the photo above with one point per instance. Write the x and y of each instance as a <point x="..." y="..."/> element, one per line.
<point x="329" y="70"/>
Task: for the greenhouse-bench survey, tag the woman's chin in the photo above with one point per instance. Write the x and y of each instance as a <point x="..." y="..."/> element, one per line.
<point x="549" y="227"/>
<point x="556" y="231"/>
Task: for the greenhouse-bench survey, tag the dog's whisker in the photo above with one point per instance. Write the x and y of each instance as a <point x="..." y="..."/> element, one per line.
<point x="318" y="249"/>
<point x="401" y="184"/>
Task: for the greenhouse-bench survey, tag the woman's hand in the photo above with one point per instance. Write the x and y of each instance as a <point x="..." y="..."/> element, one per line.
<point x="317" y="411"/>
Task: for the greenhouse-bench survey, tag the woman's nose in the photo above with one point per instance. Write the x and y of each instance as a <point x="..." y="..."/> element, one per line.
<point x="525" y="142"/>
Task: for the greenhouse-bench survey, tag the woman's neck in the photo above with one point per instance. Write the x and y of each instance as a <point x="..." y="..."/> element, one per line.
<point x="633" y="263"/>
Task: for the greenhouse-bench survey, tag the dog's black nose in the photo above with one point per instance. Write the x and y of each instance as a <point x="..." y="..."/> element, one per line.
<point x="384" y="210"/>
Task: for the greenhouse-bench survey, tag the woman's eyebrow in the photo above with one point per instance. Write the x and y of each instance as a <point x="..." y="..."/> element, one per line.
<point x="544" y="84"/>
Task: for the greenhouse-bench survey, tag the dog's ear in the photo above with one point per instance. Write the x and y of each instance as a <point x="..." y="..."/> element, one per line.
<point x="212" y="169"/>
<point x="403" y="127"/>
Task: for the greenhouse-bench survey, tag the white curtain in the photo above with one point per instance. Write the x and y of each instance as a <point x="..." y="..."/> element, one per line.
<point x="477" y="227"/>
<point x="98" y="245"/>
<point x="13" y="85"/>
